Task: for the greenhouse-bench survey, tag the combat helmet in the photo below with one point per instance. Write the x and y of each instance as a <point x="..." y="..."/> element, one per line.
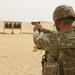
<point x="63" y="11"/>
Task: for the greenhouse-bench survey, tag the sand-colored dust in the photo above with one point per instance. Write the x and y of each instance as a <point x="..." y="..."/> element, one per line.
<point x="16" y="51"/>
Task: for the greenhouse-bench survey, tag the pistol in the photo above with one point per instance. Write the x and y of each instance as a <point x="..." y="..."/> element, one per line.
<point x="34" y="23"/>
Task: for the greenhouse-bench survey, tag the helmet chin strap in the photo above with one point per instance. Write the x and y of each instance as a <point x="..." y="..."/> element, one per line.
<point x="57" y="26"/>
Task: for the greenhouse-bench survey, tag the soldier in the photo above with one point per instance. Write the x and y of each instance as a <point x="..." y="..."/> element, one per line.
<point x="59" y="58"/>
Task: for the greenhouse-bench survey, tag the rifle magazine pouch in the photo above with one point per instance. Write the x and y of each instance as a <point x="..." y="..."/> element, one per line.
<point x="50" y="69"/>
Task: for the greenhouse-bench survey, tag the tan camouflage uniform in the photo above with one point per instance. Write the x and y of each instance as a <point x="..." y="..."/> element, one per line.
<point x="67" y="52"/>
<point x="53" y="43"/>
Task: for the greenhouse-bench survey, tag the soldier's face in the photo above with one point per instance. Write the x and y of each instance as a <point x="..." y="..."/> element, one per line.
<point x="62" y="26"/>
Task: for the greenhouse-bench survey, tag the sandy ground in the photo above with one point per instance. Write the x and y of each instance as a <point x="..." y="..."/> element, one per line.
<point x="16" y="52"/>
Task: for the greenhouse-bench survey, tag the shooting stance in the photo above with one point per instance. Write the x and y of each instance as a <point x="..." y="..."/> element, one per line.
<point x="59" y="46"/>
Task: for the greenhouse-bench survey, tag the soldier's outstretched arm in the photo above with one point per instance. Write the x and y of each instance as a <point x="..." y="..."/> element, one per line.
<point x="41" y="41"/>
<point x="46" y="31"/>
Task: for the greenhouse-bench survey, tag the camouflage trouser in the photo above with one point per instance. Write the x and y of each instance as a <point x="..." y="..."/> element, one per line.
<point x="67" y="63"/>
<point x="67" y="67"/>
<point x="49" y="68"/>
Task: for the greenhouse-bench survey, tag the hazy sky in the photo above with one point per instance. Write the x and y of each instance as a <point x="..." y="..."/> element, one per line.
<point x="30" y="10"/>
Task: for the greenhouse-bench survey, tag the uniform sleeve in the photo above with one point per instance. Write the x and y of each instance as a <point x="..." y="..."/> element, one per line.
<point x="41" y="41"/>
<point x="46" y="31"/>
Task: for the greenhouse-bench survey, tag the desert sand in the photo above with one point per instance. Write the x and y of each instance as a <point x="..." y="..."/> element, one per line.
<point x="16" y="51"/>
